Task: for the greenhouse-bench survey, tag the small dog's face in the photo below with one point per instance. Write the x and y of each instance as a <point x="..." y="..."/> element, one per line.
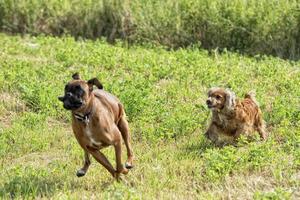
<point x="77" y="92"/>
<point x="216" y="98"/>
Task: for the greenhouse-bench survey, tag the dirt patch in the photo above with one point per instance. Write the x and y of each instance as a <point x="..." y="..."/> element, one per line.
<point x="41" y="159"/>
<point x="10" y="105"/>
<point x="12" y="102"/>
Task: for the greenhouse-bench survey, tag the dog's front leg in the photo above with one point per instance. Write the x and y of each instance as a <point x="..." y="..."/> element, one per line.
<point x="262" y="133"/>
<point x="238" y="132"/>
<point x="261" y="128"/>
<point x="86" y="164"/>
<point x="100" y="157"/>
<point x="212" y="133"/>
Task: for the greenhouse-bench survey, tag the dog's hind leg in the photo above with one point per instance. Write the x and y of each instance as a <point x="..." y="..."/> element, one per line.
<point x="124" y="129"/>
<point x="118" y="152"/>
<point x="86" y="165"/>
<point x="260" y="125"/>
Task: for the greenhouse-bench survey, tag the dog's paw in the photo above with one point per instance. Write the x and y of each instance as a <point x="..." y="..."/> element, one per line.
<point x="124" y="171"/>
<point x="80" y="173"/>
<point x="118" y="173"/>
<point x="118" y="177"/>
<point x="128" y="165"/>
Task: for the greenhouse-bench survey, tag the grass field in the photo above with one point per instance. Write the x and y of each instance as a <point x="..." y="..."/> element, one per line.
<point x="164" y="94"/>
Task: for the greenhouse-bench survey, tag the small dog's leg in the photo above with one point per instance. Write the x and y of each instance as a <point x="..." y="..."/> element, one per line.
<point x="124" y="129"/>
<point x="262" y="131"/>
<point x="212" y="133"/>
<point x="100" y="157"/>
<point x="260" y="126"/>
<point x="86" y="165"/>
<point x="237" y="133"/>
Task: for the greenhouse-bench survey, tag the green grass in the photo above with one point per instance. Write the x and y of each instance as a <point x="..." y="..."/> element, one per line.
<point x="164" y="95"/>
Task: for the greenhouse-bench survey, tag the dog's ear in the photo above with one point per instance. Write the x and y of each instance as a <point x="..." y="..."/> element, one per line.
<point x="96" y="82"/>
<point x="230" y="99"/>
<point x="76" y="76"/>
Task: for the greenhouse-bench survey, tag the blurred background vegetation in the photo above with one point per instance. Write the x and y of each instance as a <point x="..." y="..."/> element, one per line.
<point x="248" y="26"/>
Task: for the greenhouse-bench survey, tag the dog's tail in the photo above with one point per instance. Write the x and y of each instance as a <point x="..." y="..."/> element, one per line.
<point x="251" y="95"/>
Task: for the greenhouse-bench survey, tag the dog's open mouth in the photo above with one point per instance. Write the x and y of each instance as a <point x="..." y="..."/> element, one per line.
<point x="210" y="106"/>
<point x="77" y="105"/>
<point x="73" y="105"/>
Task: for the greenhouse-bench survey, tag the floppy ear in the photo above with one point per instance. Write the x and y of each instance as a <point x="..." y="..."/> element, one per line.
<point x="76" y="76"/>
<point x="96" y="82"/>
<point x="230" y="99"/>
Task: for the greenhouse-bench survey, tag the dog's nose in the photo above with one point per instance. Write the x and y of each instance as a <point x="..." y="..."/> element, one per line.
<point x="208" y="102"/>
<point x="61" y="98"/>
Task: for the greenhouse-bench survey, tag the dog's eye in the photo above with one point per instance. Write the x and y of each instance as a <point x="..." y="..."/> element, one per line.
<point x="218" y="97"/>
<point x="80" y="92"/>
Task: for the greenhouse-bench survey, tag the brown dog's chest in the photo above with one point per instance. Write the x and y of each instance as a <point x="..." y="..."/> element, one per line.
<point x="226" y="123"/>
<point x="89" y="136"/>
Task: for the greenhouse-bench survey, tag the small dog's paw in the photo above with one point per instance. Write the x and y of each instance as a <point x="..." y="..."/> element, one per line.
<point x="264" y="136"/>
<point x="80" y="173"/>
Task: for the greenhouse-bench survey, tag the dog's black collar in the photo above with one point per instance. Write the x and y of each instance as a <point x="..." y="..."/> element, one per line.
<point x="83" y="118"/>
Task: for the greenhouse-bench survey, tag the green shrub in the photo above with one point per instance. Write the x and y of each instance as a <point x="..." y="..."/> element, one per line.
<point x="89" y="18"/>
<point x="253" y="26"/>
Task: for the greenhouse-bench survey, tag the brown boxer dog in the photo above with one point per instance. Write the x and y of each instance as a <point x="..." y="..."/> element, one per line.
<point x="98" y="121"/>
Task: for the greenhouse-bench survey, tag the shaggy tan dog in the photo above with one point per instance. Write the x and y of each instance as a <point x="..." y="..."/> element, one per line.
<point x="232" y="117"/>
